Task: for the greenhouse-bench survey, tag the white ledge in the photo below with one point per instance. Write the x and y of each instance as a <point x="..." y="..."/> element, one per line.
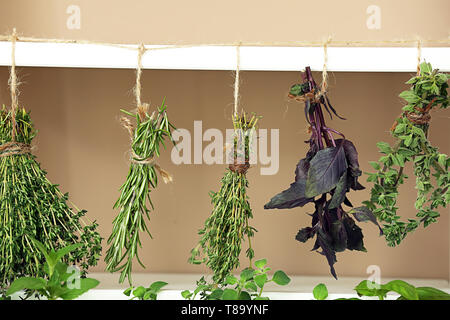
<point x="359" y="59"/>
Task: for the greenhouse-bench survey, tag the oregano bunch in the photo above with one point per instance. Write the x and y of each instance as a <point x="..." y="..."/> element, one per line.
<point x="428" y="91"/>
<point x="228" y="225"/>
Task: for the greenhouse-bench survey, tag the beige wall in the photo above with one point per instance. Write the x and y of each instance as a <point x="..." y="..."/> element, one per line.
<point x="83" y="147"/>
<point x="216" y="21"/>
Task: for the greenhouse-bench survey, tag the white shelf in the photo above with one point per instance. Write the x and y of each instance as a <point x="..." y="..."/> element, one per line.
<point x="360" y="59"/>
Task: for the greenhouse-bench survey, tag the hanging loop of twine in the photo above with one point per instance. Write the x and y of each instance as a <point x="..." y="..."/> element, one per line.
<point x="13" y="85"/>
<point x="14" y="148"/>
<point x="324" y="85"/>
<point x="419" y="56"/>
<point x="142" y="109"/>
<point x="236" y="79"/>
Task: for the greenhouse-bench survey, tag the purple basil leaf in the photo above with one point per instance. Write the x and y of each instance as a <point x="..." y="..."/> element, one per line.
<point x="347" y="202"/>
<point x="363" y="214"/>
<point x="305" y="234"/>
<point x="354" y="235"/>
<point x="326" y="167"/>
<point x="339" y="236"/>
<point x="339" y="192"/>
<point x="324" y="242"/>
<point x="301" y="171"/>
<point x="290" y="198"/>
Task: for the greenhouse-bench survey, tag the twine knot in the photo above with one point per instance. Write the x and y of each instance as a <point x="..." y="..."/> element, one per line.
<point x="14" y="148"/>
<point x="136" y="159"/>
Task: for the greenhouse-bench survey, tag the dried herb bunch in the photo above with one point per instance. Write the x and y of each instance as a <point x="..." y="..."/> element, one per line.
<point x="147" y="137"/>
<point x="329" y="170"/>
<point x="428" y="91"/>
<point x="32" y="206"/>
<point x="228" y="225"/>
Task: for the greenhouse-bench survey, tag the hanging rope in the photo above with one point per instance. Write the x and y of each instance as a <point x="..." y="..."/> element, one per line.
<point x="13" y="85"/>
<point x="142" y="109"/>
<point x="236" y="81"/>
<point x="324" y="86"/>
<point x="419" y="56"/>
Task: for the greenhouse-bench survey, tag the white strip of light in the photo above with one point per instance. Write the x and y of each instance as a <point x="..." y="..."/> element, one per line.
<point x="359" y="59"/>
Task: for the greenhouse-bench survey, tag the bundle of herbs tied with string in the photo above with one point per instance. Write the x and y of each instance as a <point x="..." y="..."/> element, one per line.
<point x="147" y="137"/>
<point x="431" y="168"/>
<point x="31" y="207"/>
<point x="324" y="177"/>
<point x="227" y="226"/>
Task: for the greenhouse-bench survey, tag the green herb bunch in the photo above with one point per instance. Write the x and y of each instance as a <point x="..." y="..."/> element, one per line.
<point x="225" y="229"/>
<point x="142" y="293"/>
<point x="59" y="281"/>
<point x="405" y="290"/>
<point x="30" y="205"/>
<point x="428" y="91"/>
<point x="147" y="137"/>
<point x="248" y="286"/>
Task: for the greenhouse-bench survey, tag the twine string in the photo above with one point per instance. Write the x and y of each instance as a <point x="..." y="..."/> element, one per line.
<point x="13" y="85"/>
<point x="419" y="56"/>
<point x="236" y="80"/>
<point x="142" y="109"/>
<point x="324" y="85"/>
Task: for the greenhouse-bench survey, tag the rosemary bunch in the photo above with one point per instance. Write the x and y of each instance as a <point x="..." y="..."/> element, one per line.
<point x="228" y="225"/>
<point x="147" y="137"/>
<point x="32" y="207"/>
<point x="428" y="91"/>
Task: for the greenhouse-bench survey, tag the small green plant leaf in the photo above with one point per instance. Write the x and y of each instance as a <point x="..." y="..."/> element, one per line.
<point x="320" y="292"/>
<point x="428" y="293"/>
<point x="230" y="294"/>
<point x="247" y="274"/>
<point x="230" y="279"/>
<point x="244" y="296"/>
<point x="26" y="283"/>
<point x="157" y="286"/>
<point x="186" y="294"/>
<point x="260" y="280"/>
<point x="139" y="292"/>
<point x="260" y="264"/>
<point x="280" y="278"/>
<point x="403" y="288"/>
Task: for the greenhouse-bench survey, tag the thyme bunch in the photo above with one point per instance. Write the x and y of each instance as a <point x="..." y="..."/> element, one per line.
<point x="227" y="226"/>
<point x="32" y="206"/>
<point x="147" y="138"/>
<point x="428" y="91"/>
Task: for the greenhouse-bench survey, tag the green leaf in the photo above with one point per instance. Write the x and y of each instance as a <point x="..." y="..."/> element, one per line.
<point x="428" y="293"/>
<point x="403" y="288"/>
<point x="370" y="289"/>
<point x="127" y="292"/>
<point x="260" y="280"/>
<point x="261" y="298"/>
<point x="149" y="295"/>
<point x="409" y="96"/>
<point x="86" y="284"/>
<point x="375" y="165"/>
<point x="26" y="283"/>
<point x="442" y="158"/>
<point x="385" y="147"/>
<point x="216" y="294"/>
<point x="260" y="263"/>
<point x="157" y="285"/>
<point x="280" y="278"/>
<point x="251" y="286"/>
<point x="247" y="274"/>
<point x="229" y="294"/>
<point x="408" y="140"/>
<point x="230" y="279"/>
<point x="66" y="250"/>
<point x="244" y="296"/>
<point x="320" y="292"/>
<point x="139" y="292"/>
<point x="186" y="294"/>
